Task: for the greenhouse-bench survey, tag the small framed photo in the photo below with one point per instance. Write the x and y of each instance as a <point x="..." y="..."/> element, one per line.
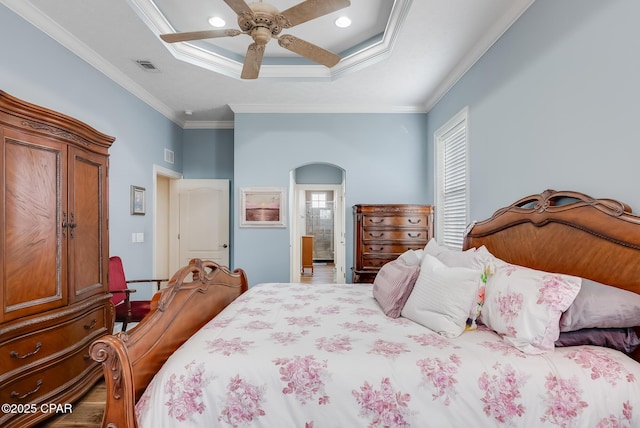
<point x="137" y="200"/>
<point x="262" y="207"/>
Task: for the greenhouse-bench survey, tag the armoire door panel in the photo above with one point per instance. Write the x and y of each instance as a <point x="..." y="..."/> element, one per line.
<point x="87" y="210"/>
<point x="32" y="241"/>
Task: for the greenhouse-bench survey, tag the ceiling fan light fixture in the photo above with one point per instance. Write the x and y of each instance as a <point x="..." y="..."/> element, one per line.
<point x="217" y="22"/>
<point x="343" y="22"/>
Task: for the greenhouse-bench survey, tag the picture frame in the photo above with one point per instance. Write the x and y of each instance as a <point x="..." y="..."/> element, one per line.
<point x="262" y="207"/>
<point x="138" y="202"/>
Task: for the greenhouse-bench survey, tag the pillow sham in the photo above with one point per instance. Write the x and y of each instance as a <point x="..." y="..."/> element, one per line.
<point x="442" y="296"/>
<point x="393" y="284"/>
<point x="411" y="257"/>
<point x="623" y="339"/>
<point x="524" y="305"/>
<point x="601" y="306"/>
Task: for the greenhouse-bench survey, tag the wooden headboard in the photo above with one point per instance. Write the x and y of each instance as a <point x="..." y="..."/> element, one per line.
<point x="566" y="232"/>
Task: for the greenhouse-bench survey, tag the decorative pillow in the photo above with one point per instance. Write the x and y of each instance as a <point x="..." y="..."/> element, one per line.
<point x="473" y="258"/>
<point x="622" y="339"/>
<point x="601" y="306"/>
<point x="393" y="284"/>
<point x="524" y="305"/>
<point x="441" y="297"/>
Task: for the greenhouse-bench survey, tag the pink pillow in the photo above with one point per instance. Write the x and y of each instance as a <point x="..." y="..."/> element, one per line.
<point x="524" y="305"/>
<point x="392" y="286"/>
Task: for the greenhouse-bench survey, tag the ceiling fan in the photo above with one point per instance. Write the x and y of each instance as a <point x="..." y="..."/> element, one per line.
<point x="262" y="22"/>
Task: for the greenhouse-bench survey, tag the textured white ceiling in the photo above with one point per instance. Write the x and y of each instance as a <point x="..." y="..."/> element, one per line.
<point x="438" y="41"/>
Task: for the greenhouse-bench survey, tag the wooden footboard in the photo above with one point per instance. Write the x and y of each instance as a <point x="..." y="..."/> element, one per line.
<point x="195" y="294"/>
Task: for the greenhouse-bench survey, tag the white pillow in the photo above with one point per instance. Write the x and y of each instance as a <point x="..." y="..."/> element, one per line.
<point x="524" y="305"/>
<point x="474" y="258"/>
<point x="411" y="257"/>
<point x="442" y="296"/>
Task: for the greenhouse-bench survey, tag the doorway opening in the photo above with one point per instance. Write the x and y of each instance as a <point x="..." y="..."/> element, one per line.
<point x="318" y="223"/>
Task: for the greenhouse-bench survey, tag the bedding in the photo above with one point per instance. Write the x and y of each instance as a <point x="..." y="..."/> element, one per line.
<point x="297" y="355"/>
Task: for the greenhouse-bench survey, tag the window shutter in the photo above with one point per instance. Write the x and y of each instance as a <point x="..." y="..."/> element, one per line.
<point x="453" y="182"/>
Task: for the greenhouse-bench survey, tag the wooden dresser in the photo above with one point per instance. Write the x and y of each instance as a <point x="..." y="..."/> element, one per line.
<point x="54" y="251"/>
<point x="383" y="232"/>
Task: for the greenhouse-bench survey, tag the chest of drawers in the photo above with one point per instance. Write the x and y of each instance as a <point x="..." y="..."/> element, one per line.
<point x="383" y="232"/>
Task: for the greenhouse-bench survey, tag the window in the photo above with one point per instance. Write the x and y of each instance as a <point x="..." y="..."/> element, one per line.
<point x="452" y="181"/>
<point x="318" y="200"/>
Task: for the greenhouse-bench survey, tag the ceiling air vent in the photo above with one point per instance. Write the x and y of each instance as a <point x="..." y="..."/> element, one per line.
<point x="147" y="66"/>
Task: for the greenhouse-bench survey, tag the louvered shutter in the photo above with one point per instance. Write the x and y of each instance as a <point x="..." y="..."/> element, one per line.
<point x="453" y="185"/>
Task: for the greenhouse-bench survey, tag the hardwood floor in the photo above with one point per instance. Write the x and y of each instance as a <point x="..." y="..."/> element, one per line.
<point x="87" y="412"/>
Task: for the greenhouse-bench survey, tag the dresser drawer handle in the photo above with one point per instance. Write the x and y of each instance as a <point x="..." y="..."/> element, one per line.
<point x="376" y="249"/>
<point x="17" y="395"/>
<point x="376" y="236"/>
<point x="414" y="235"/>
<point x="14" y="354"/>
<point x="412" y="221"/>
<point x="90" y="326"/>
<point x="376" y="221"/>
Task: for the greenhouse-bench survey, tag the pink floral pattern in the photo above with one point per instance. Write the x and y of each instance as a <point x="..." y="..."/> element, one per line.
<point x="510" y="305"/>
<point x="384" y="407"/>
<point x="360" y="326"/>
<point x="284" y="337"/>
<point x="563" y="401"/>
<point x="326" y="310"/>
<point x="307" y="321"/>
<point x="502" y="393"/>
<point x="555" y="292"/>
<point x="228" y="347"/>
<point x="440" y="375"/>
<point x="388" y="348"/>
<point x="618" y="421"/>
<point x="600" y="364"/>
<point x="336" y="343"/>
<point x="185" y="392"/>
<point x="242" y="403"/>
<point x="504" y="348"/>
<point x="304" y="377"/>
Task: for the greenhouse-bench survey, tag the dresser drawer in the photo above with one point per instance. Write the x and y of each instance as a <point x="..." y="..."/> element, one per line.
<point x="415" y="237"/>
<point x="405" y="220"/>
<point x="32" y="348"/>
<point x="38" y="385"/>
<point x="374" y="248"/>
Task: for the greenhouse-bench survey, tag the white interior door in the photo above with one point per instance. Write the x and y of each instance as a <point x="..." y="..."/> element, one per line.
<point x="203" y="220"/>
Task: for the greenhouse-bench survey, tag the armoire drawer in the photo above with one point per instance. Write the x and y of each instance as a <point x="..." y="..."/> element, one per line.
<point x="36" y="347"/>
<point x="38" y="384"/>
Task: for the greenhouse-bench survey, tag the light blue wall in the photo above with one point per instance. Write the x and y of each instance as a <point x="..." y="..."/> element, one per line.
<point x="554" y="104"/>
<point x="39" y="70"/>
<point x="383" y="156"/>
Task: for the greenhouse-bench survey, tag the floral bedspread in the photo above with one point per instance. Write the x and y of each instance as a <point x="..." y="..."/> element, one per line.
<point x="296" y="355"/>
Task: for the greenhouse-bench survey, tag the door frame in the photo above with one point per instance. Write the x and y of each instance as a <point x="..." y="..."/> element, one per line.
<point x="297" y="226"/>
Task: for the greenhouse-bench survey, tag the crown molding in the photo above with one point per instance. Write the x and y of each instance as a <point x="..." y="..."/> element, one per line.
<point x="323" y="108"/>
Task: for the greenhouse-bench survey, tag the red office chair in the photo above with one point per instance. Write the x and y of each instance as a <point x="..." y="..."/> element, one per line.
<point x="127" y="310"/>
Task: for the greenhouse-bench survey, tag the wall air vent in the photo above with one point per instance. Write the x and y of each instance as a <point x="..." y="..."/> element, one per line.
<point x="147" y="66"/>
<point x="168" y="156"/>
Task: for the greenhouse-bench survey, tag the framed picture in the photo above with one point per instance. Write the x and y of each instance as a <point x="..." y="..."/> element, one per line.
<point x="262" y="207"/>
<point x="137" y="200"/>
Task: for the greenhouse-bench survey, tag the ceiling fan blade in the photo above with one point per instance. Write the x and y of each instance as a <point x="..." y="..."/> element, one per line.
<point x="253" y="61"/>
<point x="309" y="50"/>
<point x="310" y="9"/>
<point x="198" y="35"/>
<point x="240" y="7"/>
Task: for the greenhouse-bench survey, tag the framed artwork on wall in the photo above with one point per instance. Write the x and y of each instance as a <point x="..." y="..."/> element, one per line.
<point x="137" y="200"/>
<point x="262" y="207"/>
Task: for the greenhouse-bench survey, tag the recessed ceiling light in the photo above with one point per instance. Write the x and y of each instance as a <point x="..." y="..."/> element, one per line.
<point x="217" y="22"/>
<point x="343" y="22"/>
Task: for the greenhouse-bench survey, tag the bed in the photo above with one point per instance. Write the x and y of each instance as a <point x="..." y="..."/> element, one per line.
<point x="298" y="355"/>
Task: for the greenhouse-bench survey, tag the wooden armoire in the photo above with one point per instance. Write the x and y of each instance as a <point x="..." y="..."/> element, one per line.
<point x="54" y="251"/>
